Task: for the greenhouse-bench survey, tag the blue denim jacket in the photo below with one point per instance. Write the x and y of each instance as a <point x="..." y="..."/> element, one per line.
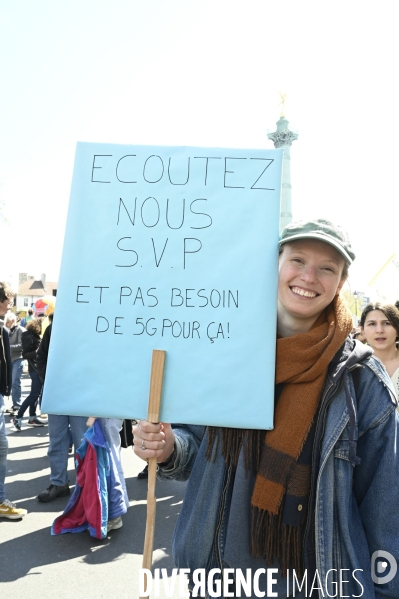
<point x="354" y="505"/>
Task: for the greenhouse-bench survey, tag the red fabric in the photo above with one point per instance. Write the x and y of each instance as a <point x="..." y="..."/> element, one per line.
<point x="87" y="508"/>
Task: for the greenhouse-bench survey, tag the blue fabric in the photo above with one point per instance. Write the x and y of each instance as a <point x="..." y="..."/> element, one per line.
<point x="111" y="428"/>
<point x="17" y="368"/>
<point x="107" y="494"/>
<point x="31" y="400"/>
<point x="355" y="507"/>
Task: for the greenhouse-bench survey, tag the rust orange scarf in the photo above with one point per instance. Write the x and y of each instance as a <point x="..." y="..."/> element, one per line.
<point x="301" y="366"/>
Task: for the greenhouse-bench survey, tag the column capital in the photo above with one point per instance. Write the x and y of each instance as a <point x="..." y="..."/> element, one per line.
<point x="282" y="138"/>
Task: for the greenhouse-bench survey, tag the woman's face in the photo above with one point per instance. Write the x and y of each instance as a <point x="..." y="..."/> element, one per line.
<point x="379" y="332"/>
<point x="310" y="276"/>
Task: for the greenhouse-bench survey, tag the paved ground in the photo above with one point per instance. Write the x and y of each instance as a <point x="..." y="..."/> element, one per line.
<point x="34" y="564"/>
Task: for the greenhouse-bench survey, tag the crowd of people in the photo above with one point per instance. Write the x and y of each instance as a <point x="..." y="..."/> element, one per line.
<point x="30" y="342"/>
<point x="314" y="494"/>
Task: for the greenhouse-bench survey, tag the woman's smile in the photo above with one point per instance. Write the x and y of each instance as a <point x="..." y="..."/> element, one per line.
<point x="304" y="292"/>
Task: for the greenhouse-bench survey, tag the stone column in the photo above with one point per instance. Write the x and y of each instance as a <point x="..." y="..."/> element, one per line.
<point x="283" y="138"/>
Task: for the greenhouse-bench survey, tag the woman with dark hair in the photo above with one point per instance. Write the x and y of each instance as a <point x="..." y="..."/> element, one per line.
<point x="30" y="345"/>
<point x="315" y="496"/>
<point x="380" y="325"/>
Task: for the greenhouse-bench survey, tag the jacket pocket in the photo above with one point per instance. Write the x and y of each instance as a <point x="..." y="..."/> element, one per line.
<point x="341" y="449"/>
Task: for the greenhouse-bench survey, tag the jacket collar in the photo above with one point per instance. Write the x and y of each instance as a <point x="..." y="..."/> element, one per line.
<point x="348" y="356"/>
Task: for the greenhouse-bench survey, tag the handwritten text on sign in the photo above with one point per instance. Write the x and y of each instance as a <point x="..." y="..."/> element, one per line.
<point x="176" y="249"/>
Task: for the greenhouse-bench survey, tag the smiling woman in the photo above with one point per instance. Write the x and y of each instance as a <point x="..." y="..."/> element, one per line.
<point x="313" y="266"/>
<point x="297" y="498"/>
<point x="310" y="276"/>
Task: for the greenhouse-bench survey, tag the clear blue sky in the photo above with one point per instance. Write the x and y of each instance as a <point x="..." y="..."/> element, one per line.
<point x="200" y="73"/>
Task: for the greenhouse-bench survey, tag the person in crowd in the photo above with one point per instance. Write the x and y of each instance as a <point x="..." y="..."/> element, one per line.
<point x="42" y="352"/>
<point x="316" y="494"/>
<point x="47" y="318"/>
<point x="359" y="335"/>
<point x="111" y="428"/>
<point x="380" y="326"/>
<point x="61" y="429"/>
<point x="30" y="346"/>
<point x="98" y="501"/>
<point x="15" y="331"/>
<point x="41" y="360"/>
<point x="27" y="318"/>
<point x="7" y="508"/>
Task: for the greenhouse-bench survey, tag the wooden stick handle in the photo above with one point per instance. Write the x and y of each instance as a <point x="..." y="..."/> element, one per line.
<point x="154" y="408"/>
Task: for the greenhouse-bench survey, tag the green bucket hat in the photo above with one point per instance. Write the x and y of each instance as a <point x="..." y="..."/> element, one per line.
<point x="323" y="230"/>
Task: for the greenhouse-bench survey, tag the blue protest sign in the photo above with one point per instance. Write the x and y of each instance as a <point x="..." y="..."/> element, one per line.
<point x="171" y="248"/>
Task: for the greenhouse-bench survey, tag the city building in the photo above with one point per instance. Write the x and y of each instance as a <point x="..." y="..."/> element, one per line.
<point x="32" y="288"/>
